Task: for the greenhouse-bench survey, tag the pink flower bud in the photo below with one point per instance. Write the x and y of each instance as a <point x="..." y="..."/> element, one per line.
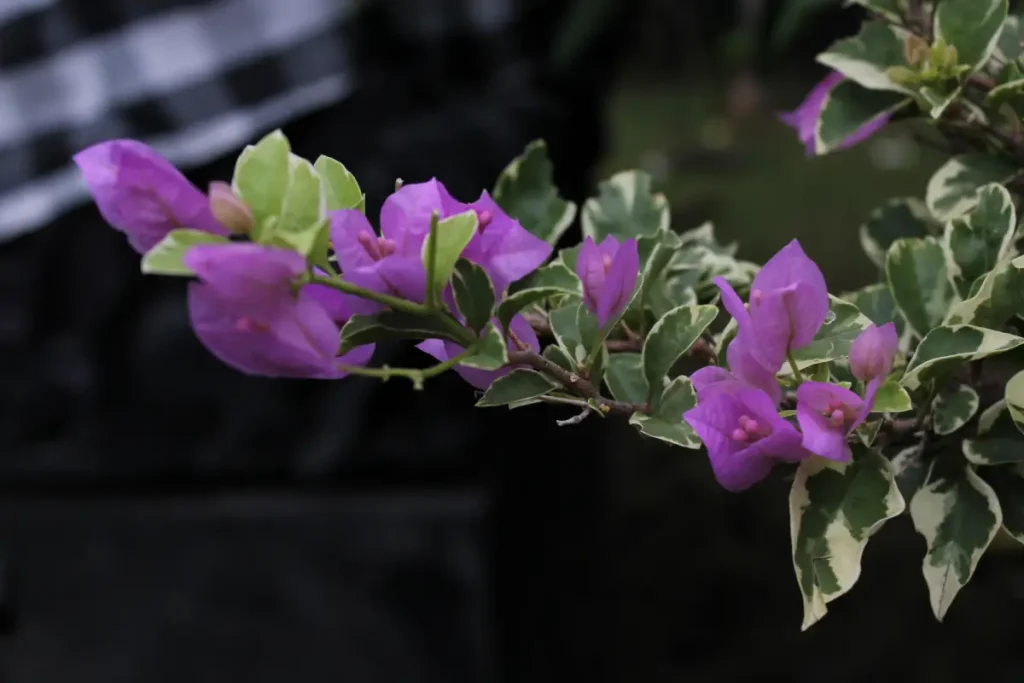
<point x="871" y="353"/>
<point x="229" y="209"/>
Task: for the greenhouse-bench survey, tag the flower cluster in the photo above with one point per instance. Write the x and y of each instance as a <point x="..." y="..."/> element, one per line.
<point x="737" y="414"/>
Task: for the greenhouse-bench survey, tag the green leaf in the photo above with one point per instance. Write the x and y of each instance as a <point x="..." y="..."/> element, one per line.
<point x="958" y="514"/>
<point x="474" y="294"/>
<point x="866" y="57"/>
<point x="953" y="408"/>
<point x="391" y="325"/>
<point x="667" y="293"/>
<point x="516" y="386"/>
<point x="165" y="257"/>
<point x="557" y="355"/>
<point x="625" y="378"/>
<point x="833" y="340"/>
<point x="555" y="276"/>
<point x="1008" y="484"/>
<point x="998" y="441"/>
<point x="892" y="398"/>
<point x="834" y="508"/>
<point x="1008" y="47"/>
<point x="973" y="27"/>
<point x="341" y="190"/>
<point x="492" y="353"/>
<point x="915" y="270"/>
<point x="567" y="332"/>
<point x="952" y="190"/>
<point x="998" y="298"/>
<point x="526" y="192"/>
<point x="973" y="244"/>
<point x="847" y="108"/>
<point x="625" y="207"/>
<point x="896" y="219"/>
<point x="890" y="9"/>
<point x="445" y="246"/>
<point x="911" y="470"/>
<point x="875" y="302"/>
<point x="301" y="220"/>
<point x="1014" y="397"/>
<point x="671" y="337"/>
<point x="946" y="348"/>
<point x="666" y="424"/>
<point x="261" y="176"/>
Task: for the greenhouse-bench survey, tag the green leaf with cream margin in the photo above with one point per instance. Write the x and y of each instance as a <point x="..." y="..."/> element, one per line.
<point x="958" y="514"/>
<point x="997" y="440"/>
<point x="948" y="347"/>
<point x="1014" y="397"/>
<point x="915" y="270"/>
<point x="526" y="191"/>
<point x="165" y="258"/>
<point x="518" y="385"/>
<point x="625" y="207"/>
<point x="666" y="422"/>
<point x="952" y="408"/>
<point x="897" y="218"/>
<point x="847" y="108"/>
<point x="1008" y="483"/>
<point x="841" y="327"/>
<point x="952" y="189"/>
<point x="671" y="337"/>
<point x="999" y="297"/>
<point x="973" y="244"/>
<point x="834" y="508"/>
<point x="865" y="57"/>
<point x="973" y="27"/>
<point x="442" y="248"/>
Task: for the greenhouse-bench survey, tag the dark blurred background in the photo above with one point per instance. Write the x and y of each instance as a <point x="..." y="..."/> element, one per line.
<point x="165" y="519"/>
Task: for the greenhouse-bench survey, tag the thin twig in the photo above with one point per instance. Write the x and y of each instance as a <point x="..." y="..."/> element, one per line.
<point x="575" y="384"/>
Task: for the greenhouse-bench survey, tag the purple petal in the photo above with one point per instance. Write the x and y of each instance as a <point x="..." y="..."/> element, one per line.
<point x="805" y="117"/>
<point x="405" y="215"/>
<point x="141" y="194"/>
<point x="404" y="277"/>
<point x="870" y="392"/>
<point x="714" y="421"/>
<point x="747" y="368"/>
<point x="590" y="271"/>
<point x="733" y="303"/>
<point x="619" y="283"/>
<point x="339" y="306"/>
<point x="820" y="435"/>
<point x="505" y="249"/>
<point x="872" y="352"/>
<point x="255" y="278"/>
<point x="708" y="376"/>
<point x="367" y="278"/>
<point x="801" y="293"/>
<point x="864" y="132"/>
<point x="348" y="226"/>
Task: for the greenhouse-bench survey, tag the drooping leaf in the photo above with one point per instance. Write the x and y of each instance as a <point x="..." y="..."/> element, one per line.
<point x="391" y="325"/>
<point x="625" y="207"/>
<point x="915" y="270"/>
<point x="341" y="190"/>
<point x="958" y="515"/>
<point x="834" y="509"/>
<point x="866" y="57"/>
<point x="625" y="378"/>
<point x="947" y="347"/>
<point x="896" y="219"/>
<point x="843" y="324"/>
<point x="892" y="398"/>
<point x="666" y="423"/>
<point x="998" y="298"/>
<point x="474" y="294"/>
<point x="1008" y="483"/>
<point x="526" y="191"/>
<point x="671" y="337"/>
<point x="974" y="243"/>
<point x="165" y="257"/>
<point x="444" y="247"/>
<point x="847" y="108"/>
<point x="952" y="190"/>
<point x="261" y="175"/>
<point x="997" y="440"/>
<point x="952" y="408"/>
<point x="973" y="27"/>
<point x="517" y="386"/>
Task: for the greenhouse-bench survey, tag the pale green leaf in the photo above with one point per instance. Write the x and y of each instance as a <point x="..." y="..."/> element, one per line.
<point x="515" y="387"/>
<point x="892" y="398"/>
<point x="526" y="191"/>
<point x="958" y="515"/>
<point x="302" y="220"/>
<point x="834" y="509"/>
<point x="444" y="245"/>
<point x="915" y="270"/>
<point x="625" y="207"/>
<point x="165" y="258"/>
<point x="261" y="176"/>
<point x="946" y="348"/>
<point x="671" y="337"/>
<point x="952" y="408"/>
<point x="341" y="190"/>
<point x="972" y="27"/>
<point x="952" y="190"/>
